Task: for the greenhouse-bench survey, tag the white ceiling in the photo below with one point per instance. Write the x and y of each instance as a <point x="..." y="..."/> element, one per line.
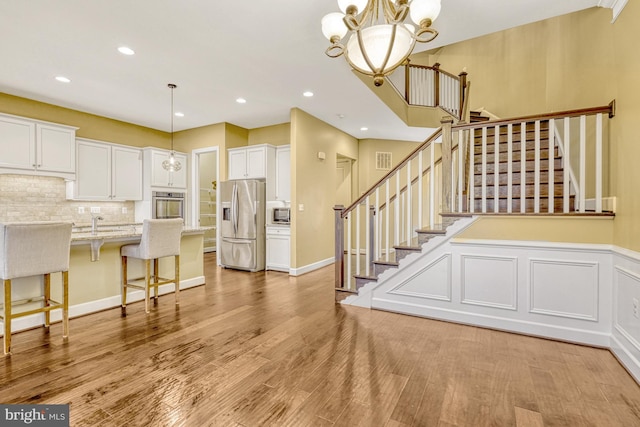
<point x="268" y="52"/>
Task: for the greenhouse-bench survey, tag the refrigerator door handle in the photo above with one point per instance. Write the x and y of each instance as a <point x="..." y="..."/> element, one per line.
<point x="234" y="203"/>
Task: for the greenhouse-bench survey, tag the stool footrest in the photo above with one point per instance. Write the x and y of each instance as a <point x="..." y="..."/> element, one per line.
<point x="54" y="305"/>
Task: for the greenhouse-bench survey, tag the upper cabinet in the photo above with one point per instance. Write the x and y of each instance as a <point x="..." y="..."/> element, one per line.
<point x="255" y="162"/>
<point x="283" y="173"/>
<point x="107" y="172"/>
<point x="159" y="176"/>
<point x="36" y="148"/>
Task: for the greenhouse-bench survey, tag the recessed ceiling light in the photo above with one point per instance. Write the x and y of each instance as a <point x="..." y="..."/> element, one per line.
<point x="241" y="101"/>
<point x="63" y="79"/>
<point x="308" y="94"/>
<point x="126" y="50"/>
<point x="364" y="128"/>
<point x="341" y="116"/>
<point x="179" y="114"/>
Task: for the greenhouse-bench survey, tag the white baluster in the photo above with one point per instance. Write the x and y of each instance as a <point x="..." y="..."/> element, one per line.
<point x="349" y="251"/>
<point x="367" y="236"/>
<point x="552" y="166"/>
<point x="408" y="203"/>
<point x="536" y="188"/>
<point x="566" y="164"/>
<point x="484" y="170"/>
<point x="583" y="163"/>
<point x="386" y="219"/>
<point x="523" y="166"/>
<point x="509" y="168"/>
<point x="599" y="163"/>
<point x="496" y="169"/>
<point x="420" y="170"/>
<point x="432" y="187"/>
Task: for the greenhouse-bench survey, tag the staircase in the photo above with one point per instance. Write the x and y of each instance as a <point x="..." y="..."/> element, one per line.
<point x="547" y="169"/>
<point x="486" y="167"/>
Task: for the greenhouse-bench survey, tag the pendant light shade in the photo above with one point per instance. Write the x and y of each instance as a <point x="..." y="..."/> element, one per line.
<point x="172" y="164"/>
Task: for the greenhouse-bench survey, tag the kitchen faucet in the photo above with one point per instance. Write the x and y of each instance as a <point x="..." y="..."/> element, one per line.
<point x="94" y="223"/>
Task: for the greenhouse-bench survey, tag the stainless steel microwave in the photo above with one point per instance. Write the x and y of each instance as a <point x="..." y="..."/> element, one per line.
<point x="281" y="215"/>
<point x="167" y="205"/>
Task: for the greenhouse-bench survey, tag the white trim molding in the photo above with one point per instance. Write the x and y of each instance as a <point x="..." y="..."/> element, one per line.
<point x="616" y="7"/>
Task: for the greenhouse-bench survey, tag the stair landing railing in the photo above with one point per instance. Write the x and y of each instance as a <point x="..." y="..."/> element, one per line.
<point x="429" y="86"/>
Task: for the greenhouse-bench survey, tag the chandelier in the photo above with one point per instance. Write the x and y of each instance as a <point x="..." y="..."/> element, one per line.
<point x="171" y="164"/>
<point x="380" y="39"/>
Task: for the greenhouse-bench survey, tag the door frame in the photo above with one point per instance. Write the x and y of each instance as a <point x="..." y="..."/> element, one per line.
<point x="195" y="188"/>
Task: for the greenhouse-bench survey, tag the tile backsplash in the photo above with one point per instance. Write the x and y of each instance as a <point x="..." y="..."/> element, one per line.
<point x="25" y="198"/>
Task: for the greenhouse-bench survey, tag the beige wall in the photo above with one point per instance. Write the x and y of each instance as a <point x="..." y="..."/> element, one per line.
<point x="274" y="135"/>
<point x="90" y="126"/>
<point x="367" y="149"/>
<point x="545" y="229"/>
<point x="573" y="61"/>
<point x="314" y="186"/>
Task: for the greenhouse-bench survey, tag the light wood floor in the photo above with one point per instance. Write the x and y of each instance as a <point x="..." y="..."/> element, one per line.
<point x="254" y="349"/>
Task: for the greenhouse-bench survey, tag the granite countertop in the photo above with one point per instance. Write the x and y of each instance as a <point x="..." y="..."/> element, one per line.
<point x="119" y="231"/>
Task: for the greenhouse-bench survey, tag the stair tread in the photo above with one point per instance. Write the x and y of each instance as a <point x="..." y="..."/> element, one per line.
<point x="407" y="248"/>
<point x="391" y="263"/>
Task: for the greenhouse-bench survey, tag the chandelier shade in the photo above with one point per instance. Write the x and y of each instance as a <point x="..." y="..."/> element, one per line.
<point x="379" y="40"/>
<point x="380" y="47"/>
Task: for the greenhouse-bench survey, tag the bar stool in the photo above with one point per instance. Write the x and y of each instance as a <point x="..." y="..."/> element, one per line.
<point x="34" y="249"/>
<point x="160" y="238"/>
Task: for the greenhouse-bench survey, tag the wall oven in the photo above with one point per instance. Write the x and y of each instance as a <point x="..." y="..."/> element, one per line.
<point x="167" y="205"/>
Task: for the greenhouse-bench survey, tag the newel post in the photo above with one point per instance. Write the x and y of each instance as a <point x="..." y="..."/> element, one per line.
<point x="339" y="245"/>
<point x="407" y="80"/>
<point x="446" y="163"/>
<point x="463" y="86"/>
<point x="436" y="89"/>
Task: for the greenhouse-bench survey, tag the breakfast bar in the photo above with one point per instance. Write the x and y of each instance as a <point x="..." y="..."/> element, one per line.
<point x="95" y="270"/>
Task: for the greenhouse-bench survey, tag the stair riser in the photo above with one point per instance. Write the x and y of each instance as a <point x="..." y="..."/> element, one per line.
<point x="529" y="166"/>
<point x="516" y="190"/>
<point x="529" y="205"/>
<point x="503" y="138"/>
<point x="515" y="156"/>
<point x="378" y="269"/>
<point x="402" y="253"/>
<point x="503" y="178"/>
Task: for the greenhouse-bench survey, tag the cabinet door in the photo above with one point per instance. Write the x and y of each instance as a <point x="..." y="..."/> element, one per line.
<point x="93" y="175"/>
<point x="283" y="174"/>
<point x="55" y="149"/>
<point x="237" y="164"/>
<point x="17" y="143"/>
<point x="178" y="179"/>
<point x="256" y="162"/>
<point x="277" y="252"/>
<point x="126" y="175"/>
<point x="159" y="175"/>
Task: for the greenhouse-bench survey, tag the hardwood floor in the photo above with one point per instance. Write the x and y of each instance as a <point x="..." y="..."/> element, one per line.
<point x="254" y="349"/>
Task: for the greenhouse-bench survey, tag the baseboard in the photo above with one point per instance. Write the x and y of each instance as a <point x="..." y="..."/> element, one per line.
<point x="311" y="267"/>
<point x="620" y="349"/>
<point x="36" y="320"/>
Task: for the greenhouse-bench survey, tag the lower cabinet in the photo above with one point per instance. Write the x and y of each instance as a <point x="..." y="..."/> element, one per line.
<point x="278" y="248"/>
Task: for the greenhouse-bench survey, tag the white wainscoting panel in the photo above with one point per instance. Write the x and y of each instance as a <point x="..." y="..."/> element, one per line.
<point x="564" y="288"/>
<point x="433" y="282"/>
<point x="490" y="281"/>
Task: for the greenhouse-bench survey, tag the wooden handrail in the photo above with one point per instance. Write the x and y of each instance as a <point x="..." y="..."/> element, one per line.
<point x="428" y="67"/>
<point x="400" y="165"/>
<point x="609" y="109"/>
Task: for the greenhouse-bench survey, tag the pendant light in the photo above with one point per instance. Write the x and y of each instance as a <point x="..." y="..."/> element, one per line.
<point x="172" y="164"/>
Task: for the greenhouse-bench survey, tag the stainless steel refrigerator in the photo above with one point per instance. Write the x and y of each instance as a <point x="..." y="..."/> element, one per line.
<point x="242" y="232"/>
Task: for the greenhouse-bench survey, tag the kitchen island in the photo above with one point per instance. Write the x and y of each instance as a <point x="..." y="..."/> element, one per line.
<point x="95" y="271"/>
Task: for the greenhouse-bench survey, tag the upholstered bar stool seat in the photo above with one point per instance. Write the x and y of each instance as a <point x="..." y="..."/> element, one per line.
<point x="33" y="249"/>
<point x="160" y="238"/>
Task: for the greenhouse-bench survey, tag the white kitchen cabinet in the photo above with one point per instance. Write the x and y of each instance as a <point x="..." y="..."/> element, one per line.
<point x="36" y="148"/>
<point x="107" y="172"/>
<point x="160" y="177"/>
<point x="283" y="173"/>
<point x="255" y="162"/>
<point x="278" y="248"/>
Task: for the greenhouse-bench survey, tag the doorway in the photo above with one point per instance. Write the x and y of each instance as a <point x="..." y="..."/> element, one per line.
<point x="343" y="181"/>
<point x="205" y="194"/>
